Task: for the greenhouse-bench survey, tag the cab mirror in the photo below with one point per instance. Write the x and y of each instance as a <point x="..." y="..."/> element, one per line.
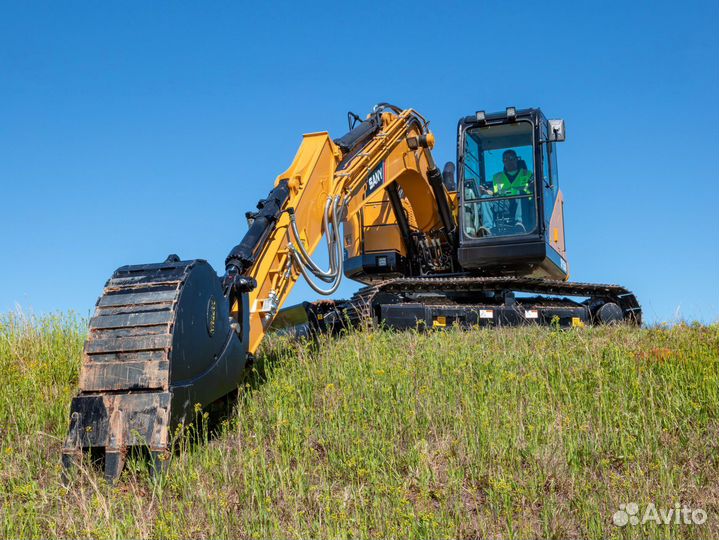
<point x="556" y="130"/>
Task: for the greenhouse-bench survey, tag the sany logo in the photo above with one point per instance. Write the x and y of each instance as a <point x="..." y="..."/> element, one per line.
<point x="628" y="514"/>
<point x="375" y="179"/>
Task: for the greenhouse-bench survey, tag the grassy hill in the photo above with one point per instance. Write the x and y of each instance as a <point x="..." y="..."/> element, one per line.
<point x="505" y="433"/>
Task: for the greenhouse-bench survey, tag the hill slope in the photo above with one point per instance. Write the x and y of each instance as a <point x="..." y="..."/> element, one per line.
<point x="528" y="432"/>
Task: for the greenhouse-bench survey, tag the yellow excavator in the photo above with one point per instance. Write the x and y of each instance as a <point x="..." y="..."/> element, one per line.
<point x="482" y="247"/>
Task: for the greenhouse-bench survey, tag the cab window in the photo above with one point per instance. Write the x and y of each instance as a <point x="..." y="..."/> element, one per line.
<point x="499" y="183"/>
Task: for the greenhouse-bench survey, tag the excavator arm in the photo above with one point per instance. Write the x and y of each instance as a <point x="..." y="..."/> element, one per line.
<point x="171" y="337"/>
<point x="328" y="183"/>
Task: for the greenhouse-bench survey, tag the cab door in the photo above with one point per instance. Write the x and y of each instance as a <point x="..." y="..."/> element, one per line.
<point x="553" y="203"/>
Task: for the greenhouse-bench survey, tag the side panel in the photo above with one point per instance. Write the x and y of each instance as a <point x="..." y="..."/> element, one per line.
<point x="373" y="243"/>
<point x="380" y="231"/>
<point x="556" y="227"/>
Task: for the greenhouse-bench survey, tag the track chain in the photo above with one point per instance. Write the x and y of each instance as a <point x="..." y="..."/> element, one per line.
<point x="363" y="299"/>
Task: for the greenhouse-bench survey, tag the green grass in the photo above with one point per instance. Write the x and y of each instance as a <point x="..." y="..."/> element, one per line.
<point x="506" y="433"/>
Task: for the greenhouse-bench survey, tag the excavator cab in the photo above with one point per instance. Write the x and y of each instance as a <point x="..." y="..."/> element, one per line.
<point x="510" y="216"/>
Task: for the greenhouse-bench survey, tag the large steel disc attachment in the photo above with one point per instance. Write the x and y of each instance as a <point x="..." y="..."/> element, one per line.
<point x="161" y="341"/>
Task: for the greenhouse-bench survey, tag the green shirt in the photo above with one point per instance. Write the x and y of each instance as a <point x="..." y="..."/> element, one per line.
<point x="521" y="185"/>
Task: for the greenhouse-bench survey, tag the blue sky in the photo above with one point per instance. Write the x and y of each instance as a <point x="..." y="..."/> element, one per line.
<point x="131" y="130"/>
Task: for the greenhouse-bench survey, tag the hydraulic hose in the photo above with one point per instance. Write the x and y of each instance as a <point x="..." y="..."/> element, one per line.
<point x="328" y="275"/>
<point x="334" y="246"/>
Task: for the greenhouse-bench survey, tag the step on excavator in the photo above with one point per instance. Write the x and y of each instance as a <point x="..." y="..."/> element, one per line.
<point x="480" y="243"/>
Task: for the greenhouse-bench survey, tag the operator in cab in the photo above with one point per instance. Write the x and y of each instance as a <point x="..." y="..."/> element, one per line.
<point x="513" y="180"/>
